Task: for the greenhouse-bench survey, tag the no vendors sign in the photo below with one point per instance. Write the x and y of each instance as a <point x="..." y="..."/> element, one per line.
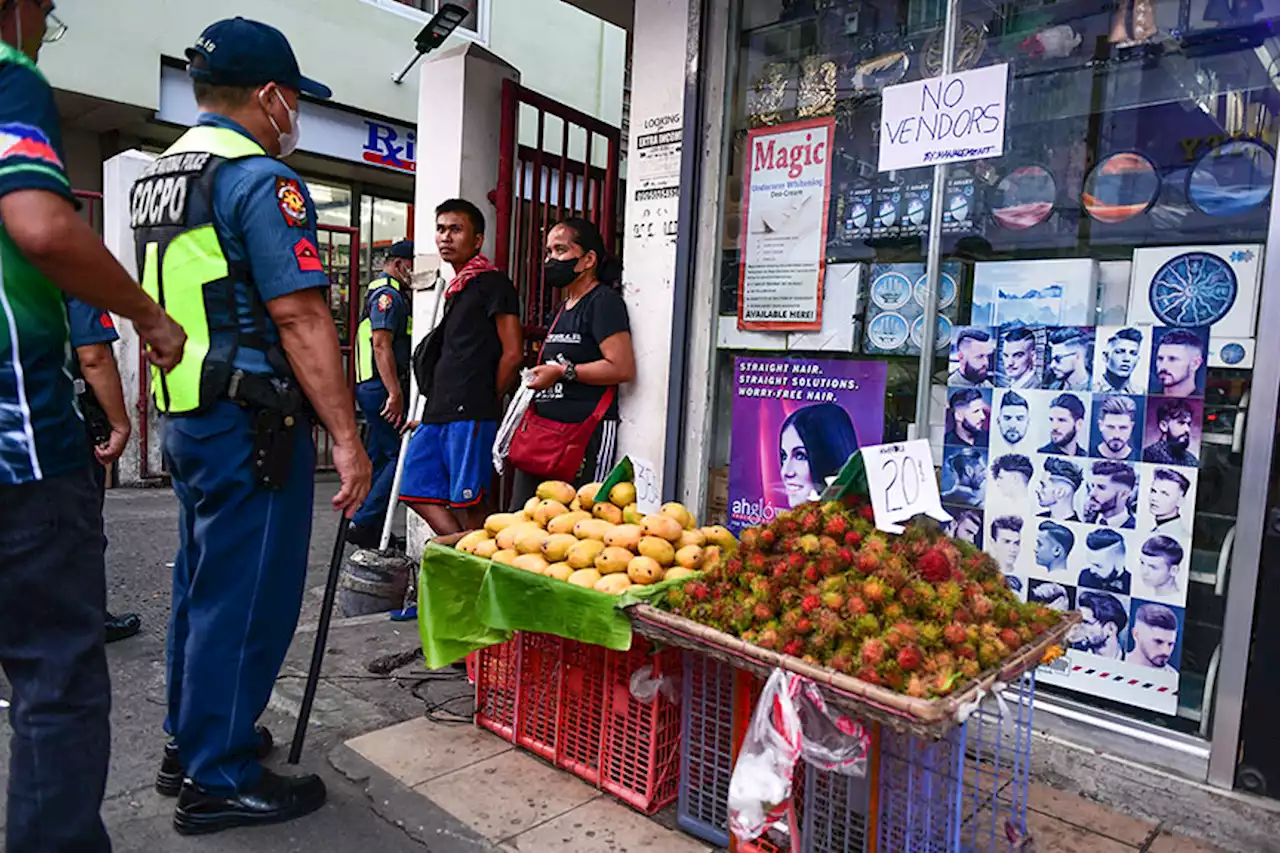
<point x="944" y="119"/>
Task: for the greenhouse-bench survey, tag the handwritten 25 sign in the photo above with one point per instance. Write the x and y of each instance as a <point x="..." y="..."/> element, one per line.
<point x="944" y="119"/>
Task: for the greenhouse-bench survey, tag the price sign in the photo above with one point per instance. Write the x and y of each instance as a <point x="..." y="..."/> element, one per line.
<point x="902" y="484"/>
<point x="645" y="479"/>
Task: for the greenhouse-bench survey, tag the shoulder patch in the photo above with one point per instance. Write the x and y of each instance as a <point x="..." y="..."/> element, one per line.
<point x="27" y="142"/>
<point x="308" y="258"/>
<point x="384" y="302"/>
<point x="293" y="204"/>
<point x="105" y="321"/>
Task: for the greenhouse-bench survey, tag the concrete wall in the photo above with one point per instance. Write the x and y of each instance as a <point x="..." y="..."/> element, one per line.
<point x="112" y="50"/>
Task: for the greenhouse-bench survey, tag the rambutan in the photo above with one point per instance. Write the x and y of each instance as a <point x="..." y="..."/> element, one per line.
<point x="983" y="607"/>
<point x="768" y="539"/>
<point x="873" y="652"/>
<point x="810" y="573"/>
<point x="762" y="612"/>
<point x="930" y="635"/>
<point x="873" y="590"/>
<point x="868" y="562"/>
<point x="1011" y="639"/>
<point x="755" y="562"/>
<point x="841" y="662"/>
<point x="833" y="600"/>
<point x="970" y="668"/>
<point x="836" y="526"/>
<point x="793" y="648"/>
<point x="894" y="613"/>
<point x="768" y="639"/>
<point x="933" y="567"/>
<point x="910" y="658"/>
<point x="845" y="557"/>
<point x="809" y="544"/>
<point x="852" y="539"/>
<point x="698" y="591"/>
<point x="810" y="520"/>
<point x="866" y="626"/>
<point x="856" y="607"/>
<point x="804" y="625"/>
<point x="869" y="675"/>
<point x="829" y="623"/>
<point x="810" y="603"/>
<point x="917" y="687"/>
<point x="955" y="634"/>
<point x="796" y="562"/>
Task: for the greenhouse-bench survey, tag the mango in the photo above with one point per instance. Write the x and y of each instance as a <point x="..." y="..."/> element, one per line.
<point x="690" y="557"/>
<point x="644" y="571"/>
<point x="548" y="510"/>
<point x="559" y="571"/>
<point x="622" y="495"/>
<point x="487" y="549"/>
<point x="613" y="584"/>
<point x="658" y="550"/>
<point x="555" y="490"/>
<point x="530" y="541"/>
<point x="591" y="529"/>
<point x="467" y="544"/>
<point x="632" y="515"/>
<point x="507" y="538"/>
<point x="506" y="555"/>
<point x="530" y="563"/>
<point x="717" y="535"/>
<point x="531" y="505"/>
<point x="679" y="513"/>
<point x="587" y="495"/>
<point x="691" y="537"/>
<point x="556" y="547"/>
<point x="607" y="512"/>
<point x="624" y="536"/>
<point x="662" y="526"/>
<point x="576" y="506"/>
<point x="613" y="561"/>
<point x="499" y="522"/>
<point x="583" y="555"/>
<point x="587" y="578"/>
<point x="565" y="523"/>
<point x="711" y="557"/>
<point x="678" y="573"/>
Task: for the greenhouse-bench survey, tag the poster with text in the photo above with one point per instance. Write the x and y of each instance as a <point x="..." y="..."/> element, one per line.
<point x="784" y="226"/>
<point x="1082" y="487"/>
<point x="795" y="423"/>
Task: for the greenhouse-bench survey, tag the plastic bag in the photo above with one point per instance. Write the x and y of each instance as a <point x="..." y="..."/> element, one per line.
<point x="511" y="421"/>
<point x="791" y="721"/>
<point x="645" y="687"/>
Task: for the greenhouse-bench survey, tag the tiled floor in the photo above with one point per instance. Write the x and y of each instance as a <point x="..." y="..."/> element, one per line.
<point x="527" y="806"/>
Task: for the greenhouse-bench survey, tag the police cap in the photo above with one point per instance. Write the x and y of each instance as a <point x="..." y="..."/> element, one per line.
<point x="241" y="52"/>
<point x="403" y="249"/>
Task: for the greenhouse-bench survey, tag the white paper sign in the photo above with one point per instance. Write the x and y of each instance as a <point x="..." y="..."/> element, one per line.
<point x="944" y="119"/>
<point x="902" y="483"/>
<point x="648" y="492"/>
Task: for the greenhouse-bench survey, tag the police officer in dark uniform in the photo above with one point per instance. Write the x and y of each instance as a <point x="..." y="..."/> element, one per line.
<point x="383" y="346"/>
<point x="226" y="241"/>
<point x="101" y="400"/>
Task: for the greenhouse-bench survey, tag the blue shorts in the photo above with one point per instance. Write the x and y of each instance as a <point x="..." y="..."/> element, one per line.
<point x="450" y="464"/>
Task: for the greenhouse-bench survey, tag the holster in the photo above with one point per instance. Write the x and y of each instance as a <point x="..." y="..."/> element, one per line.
<point x="278" y="408"/>
<point x="96" y="422"/>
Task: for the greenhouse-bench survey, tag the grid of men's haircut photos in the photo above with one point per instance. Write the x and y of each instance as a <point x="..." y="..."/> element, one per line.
<point x="1071" y="456"/>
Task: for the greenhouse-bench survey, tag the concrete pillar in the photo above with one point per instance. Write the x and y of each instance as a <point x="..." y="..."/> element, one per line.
<point x="660" y="34"/>
<point x="142" y="456"/>
<point x="459" y="125"/>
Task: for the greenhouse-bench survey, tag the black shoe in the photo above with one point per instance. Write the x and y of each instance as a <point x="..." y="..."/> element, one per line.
<point x="123" y="627"/>
<point x="169" y="779"/>
<point x="275" y="799"/>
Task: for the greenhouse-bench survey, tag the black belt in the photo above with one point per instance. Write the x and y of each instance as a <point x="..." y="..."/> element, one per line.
<point x="265" y="392"/>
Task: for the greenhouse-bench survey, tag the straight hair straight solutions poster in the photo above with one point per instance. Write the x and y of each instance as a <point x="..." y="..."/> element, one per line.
<point x="795" y="423"/>
<point x="784" y="227"/>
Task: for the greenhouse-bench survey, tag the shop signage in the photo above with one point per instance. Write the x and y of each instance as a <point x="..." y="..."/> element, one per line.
<point x="944" y="119"/>
<point x="326" y="130"/>
<point x="1072" y="456"/>
<point x="795" y="423"/>
<point x="784" y="226"/>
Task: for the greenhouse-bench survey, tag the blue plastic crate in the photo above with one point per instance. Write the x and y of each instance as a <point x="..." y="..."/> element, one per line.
<point x="966" y="793"/>
<point x="706" y="749"/>
<point x="836" y="812"/>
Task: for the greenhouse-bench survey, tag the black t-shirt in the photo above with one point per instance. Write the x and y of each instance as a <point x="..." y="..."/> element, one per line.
<point x="577" y="335"/>
<point x="465" y="378"/>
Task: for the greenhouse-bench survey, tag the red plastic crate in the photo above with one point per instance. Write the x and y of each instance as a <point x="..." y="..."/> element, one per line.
<point x="641" y="760"/>
<point x="538" y="703"/>
<point x="582" y="695"/>
<point x="472" y="661"/>
<point x="497" y="688"/>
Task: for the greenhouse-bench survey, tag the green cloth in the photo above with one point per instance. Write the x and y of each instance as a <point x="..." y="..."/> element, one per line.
<point x="516" y="600"/>
<point x="448" y="585"/>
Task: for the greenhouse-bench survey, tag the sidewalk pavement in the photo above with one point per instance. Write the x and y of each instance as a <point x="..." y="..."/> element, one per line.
<point x="514" y="802"/>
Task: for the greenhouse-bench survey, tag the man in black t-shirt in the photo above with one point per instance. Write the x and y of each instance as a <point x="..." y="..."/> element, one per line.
<point x="474" y="359"/>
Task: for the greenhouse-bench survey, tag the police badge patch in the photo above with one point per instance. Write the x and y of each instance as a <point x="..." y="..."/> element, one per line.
<point x="293" y="204"/>
<point x="384" y="302"/>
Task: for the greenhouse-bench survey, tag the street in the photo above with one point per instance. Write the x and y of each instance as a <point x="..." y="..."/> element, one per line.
<point x="142" y="527"/>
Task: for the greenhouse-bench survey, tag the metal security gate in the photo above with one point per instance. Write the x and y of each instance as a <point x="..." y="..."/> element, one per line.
<point x="555" y="162"/>
<point x="339" y="255"/>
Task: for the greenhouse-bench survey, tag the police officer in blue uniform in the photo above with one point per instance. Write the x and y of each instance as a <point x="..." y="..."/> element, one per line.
<point x="226" y="240"/>
<point x="382" y="375"/>
<point x="106" y="421"/>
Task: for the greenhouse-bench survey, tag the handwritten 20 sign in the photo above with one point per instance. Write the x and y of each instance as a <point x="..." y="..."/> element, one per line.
<point x="902" y="483"/>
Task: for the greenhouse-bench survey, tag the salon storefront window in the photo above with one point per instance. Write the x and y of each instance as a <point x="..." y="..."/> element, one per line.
<point x="1096" y="309"/>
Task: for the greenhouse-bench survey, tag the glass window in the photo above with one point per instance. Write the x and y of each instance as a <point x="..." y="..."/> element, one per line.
<point x="1099" y="281"/>
<point x="471" y="22"/>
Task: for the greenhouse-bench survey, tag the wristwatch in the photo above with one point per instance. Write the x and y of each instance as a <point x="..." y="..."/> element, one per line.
<point x="570" y="371"/>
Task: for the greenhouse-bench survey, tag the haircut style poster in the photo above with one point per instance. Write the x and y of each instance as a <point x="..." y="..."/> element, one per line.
<point x="1081" y="483"/>
<point x="795" y="423"/>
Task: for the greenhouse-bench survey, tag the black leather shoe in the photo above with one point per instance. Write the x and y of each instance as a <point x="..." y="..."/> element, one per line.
<point x="169" y="779"/>
<point x="123" y="627"/>
<point x="275" y="799"/>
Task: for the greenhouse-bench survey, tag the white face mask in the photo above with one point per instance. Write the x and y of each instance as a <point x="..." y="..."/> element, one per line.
<point x="288" y="141"/>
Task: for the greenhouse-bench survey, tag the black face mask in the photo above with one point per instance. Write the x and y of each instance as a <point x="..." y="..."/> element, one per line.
<point x="560" y="273"/>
